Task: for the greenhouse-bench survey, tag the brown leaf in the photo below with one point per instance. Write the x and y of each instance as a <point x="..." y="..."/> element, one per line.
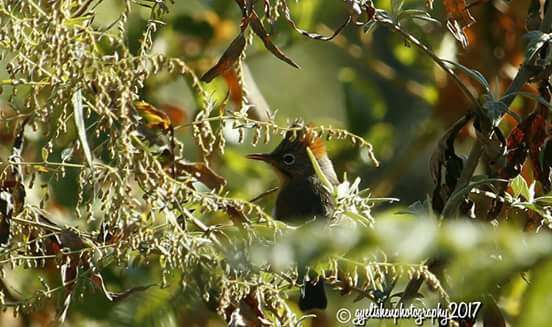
<point x="247" y="313"/>
<point x="12" y="190"/>
<point x="236" y="48"/>
<point x="237" y="216"/>
<point x="228" y="59"/>
<point x="232" y="81"/>
<point x="314" y="36"/>
<point x="259" y="29"/>
<point x="118" y="296"/>
<point x="112" y="234"/>
<point x="527" y="137"/>
<point x="445" y="165"/>
<point x="177" y="114"/>
<point x="458" y="19"/>
<point x="97" y="280"/>
<point x="201" y="172"/>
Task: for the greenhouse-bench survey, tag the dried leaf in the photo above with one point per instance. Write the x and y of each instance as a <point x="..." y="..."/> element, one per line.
<point x="177" y="114"/>
<point x="97" y="280"/>
<point x="446" y="166"/>
<point x="228" y="59"/>
<point x="118" y="296"/>
<point x="314" y="36"/>
<point x="237" y="216"/>
<point x="458" y="19"/>
<point x="527" y="137"/>
<point x="153" y="117"/>
<point x="247" y="313"/>
<point x="259" y="29"/>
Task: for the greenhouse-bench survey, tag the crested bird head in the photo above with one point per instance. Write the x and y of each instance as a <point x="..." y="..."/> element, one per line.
<point x="291" y="160"/>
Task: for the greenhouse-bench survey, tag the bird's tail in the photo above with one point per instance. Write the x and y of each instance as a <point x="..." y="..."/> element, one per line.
<point x="313" y="295"/>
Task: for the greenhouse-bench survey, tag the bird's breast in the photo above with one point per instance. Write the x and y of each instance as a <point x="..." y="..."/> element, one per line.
<point x="303" y="199"/>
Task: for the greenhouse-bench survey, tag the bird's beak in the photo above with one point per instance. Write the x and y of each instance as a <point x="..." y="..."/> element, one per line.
<point x="260" y="156"/>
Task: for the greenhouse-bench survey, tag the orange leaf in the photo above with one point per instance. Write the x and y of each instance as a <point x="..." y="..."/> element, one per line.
<point x="228" y="59"/>
<point x="153" y="117"/>
<point x="177" y="114"/>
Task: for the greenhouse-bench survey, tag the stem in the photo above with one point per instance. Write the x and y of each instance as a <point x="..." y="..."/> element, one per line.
<point x="38" y="224"/>
<point x="37" y="7"/>
<point x="82" y="9"/>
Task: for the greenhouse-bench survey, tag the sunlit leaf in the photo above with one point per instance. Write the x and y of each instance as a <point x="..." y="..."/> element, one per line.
<point x="519" y="187"/>
<point x="78" y="114"/>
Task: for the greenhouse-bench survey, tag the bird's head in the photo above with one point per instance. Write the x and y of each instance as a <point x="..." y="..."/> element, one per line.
<point x="290" y="158"/>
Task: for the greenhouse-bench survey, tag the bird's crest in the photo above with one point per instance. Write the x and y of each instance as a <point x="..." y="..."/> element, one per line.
<point x="308" y="137"/>
<point x="315" y="143"/>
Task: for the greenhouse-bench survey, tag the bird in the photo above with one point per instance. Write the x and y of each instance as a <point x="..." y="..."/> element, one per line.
<point x="302" y="194"/>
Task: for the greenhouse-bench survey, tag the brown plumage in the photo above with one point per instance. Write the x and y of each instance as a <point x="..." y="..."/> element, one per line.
<point x="302" y="195"/>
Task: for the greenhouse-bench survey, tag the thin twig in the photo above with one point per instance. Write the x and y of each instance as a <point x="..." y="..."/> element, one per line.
<point x="265" y="193"/>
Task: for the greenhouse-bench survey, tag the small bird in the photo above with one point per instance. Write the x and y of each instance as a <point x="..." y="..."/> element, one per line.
<point x="302" y="194"/>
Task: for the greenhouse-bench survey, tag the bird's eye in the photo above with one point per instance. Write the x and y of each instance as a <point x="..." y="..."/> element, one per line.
<point x="289" y="159"/>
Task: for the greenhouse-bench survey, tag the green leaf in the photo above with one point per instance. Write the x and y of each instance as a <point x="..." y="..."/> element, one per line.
<point x="547" y="199"/>
<point x="417" y="14"/>
<point x="396" y="7"/>
<point x="78" y="114"/>
<point x="472" y="73"/>
<point x="44" y="153"/>
<point x="370" y="26"/>
<point x="319" y="172"/>
<point x="519" y="187"/>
